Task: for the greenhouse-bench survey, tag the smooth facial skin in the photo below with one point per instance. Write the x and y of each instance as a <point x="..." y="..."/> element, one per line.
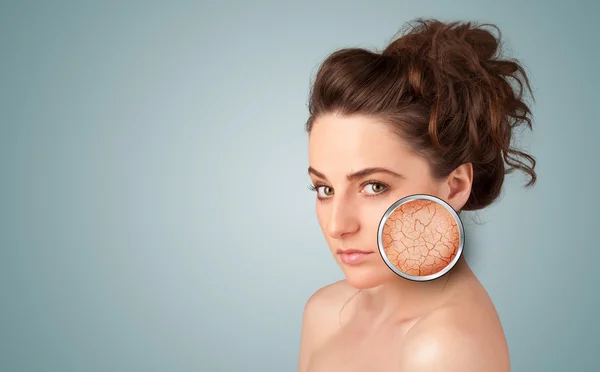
<point x="359" y="167"/>
<point x="420" y="237"/>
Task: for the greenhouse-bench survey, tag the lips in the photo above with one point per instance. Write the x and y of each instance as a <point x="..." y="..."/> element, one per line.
<point x="353" y="256"/>
<point x="350" y="251"/>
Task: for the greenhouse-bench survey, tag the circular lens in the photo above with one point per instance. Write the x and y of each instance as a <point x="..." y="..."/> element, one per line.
<point x="420" y="237"/>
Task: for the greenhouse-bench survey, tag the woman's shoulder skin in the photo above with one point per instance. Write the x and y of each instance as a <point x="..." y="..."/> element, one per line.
<point x="463" y="334"/>
<point x="320" y="319"/>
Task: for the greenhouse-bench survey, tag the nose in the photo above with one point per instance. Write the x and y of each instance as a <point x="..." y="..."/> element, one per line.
<point x="343" y="220"/>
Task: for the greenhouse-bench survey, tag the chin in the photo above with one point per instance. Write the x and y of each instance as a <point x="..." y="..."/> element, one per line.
<point x="364" y="278"/>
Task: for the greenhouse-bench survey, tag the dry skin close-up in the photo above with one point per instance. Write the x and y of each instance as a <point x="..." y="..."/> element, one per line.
<point x="420" y="237"/>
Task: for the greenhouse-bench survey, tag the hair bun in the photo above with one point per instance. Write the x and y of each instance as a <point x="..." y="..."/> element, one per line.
<point x="435" y="40"/>
<point x="484" y="43"/>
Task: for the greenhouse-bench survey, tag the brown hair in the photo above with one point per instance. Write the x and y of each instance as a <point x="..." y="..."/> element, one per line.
<point x="445" y="89"/>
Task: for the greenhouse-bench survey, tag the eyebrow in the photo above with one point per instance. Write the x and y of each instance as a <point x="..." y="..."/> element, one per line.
<point x="359" y="174"/>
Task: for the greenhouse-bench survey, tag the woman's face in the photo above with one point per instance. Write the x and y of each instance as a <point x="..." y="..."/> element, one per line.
<point x="349" y="208"/>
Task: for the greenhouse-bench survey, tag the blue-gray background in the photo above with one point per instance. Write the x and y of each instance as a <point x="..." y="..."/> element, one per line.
<point x="153" y="204"/>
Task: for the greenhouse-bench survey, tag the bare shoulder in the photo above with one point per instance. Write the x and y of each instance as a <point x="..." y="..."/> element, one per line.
<point x="465" y="336"/>
<point x="320" y="319"/>
<point x="323" y="308"/>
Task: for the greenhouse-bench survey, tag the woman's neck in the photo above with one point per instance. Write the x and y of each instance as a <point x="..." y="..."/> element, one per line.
<point x="408" y="299"/>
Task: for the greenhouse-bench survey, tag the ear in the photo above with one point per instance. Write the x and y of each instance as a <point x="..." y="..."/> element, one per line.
<point x="456" y="188"/>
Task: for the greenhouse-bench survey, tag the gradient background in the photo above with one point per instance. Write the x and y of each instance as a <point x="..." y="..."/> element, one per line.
<point x="154" y="209"/>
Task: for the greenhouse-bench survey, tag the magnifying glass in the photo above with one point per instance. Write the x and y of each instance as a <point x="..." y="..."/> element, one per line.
<point x="420" y="237"/>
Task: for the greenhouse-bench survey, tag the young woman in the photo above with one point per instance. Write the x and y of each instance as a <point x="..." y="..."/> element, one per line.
<point x="432" y="113"/>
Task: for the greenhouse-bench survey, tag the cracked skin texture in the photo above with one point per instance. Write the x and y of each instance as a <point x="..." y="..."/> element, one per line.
<point x="420" y="237"/>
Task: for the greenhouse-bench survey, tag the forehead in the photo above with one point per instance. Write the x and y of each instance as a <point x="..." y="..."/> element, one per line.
<point x="346" y="143"/>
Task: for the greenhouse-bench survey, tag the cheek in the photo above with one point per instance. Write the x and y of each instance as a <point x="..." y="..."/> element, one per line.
<point x="415" y="187"/>
<point x="322" y="216"/>
<point x="420" y="188"/>
<point x="370" y="217"/>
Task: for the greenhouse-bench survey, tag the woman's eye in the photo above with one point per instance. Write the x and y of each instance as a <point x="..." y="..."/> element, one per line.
<point x="324" y="191"/>
<point x="374" y="188"/>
